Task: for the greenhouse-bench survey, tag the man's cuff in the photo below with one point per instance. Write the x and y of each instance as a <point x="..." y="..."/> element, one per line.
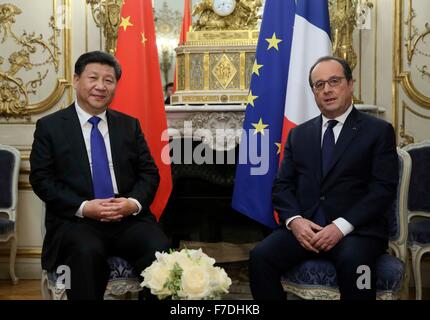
<point x="344" y="226"/>
<point x="139" y="206"/>
<point x="287" y="223"/>
<point x="80" y="212"/>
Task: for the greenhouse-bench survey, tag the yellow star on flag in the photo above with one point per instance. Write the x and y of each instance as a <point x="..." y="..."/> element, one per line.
<point x="273" y="42"/>
<point x="125" y="23"/>
<point x="278" y="145"/>
<point x="259" y="127"/>
<point x="251" y="98"/>
<point x="256" y="67"/>
<point x="143" y="38"/>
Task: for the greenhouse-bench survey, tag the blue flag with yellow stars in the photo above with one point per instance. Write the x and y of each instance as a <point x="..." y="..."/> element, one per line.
<point x="260" y="145"/>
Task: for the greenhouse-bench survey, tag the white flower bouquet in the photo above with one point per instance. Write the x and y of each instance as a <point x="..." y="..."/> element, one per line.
<point x="186" y="275"/>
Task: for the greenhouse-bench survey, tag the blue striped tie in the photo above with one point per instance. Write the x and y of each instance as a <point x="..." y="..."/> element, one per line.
<point x="102" y="181"/>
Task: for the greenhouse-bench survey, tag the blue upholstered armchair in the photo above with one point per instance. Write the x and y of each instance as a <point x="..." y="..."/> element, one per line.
<point x="316" y="279"/>
<point x="419" y="208"/>
<point x="123" y="280"/>
<point x="9" y="171"/>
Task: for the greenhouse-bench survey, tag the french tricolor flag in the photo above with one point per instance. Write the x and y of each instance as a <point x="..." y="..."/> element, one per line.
<point x="311" y="40"/>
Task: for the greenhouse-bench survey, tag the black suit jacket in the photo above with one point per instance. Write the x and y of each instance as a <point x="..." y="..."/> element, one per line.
<point x="61" y="175"/>
<point x="361" y="184"/>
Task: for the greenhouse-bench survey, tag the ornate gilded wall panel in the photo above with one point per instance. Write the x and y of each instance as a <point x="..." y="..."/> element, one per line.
<point x="196" y="72"/>
<point x="224" y="71"/>
<point x="34" y="61"/>
<point x="411" y="63"/>
<point x="249" y="62"/>
<point x="180" y="65"/>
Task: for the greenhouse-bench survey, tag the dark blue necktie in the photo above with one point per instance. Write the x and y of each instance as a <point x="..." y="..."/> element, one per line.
<point x="327" y="151"/>
<point x="102" y="181"/>
<point x="327" y="148"/>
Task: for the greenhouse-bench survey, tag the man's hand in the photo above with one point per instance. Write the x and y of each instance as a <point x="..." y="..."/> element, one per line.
<point x="327" y="238"/>
<point x="118" y="208"/>
<point x="304" y="230"/>
<point x="109" y="210"/>
<point x="93" y="208"/>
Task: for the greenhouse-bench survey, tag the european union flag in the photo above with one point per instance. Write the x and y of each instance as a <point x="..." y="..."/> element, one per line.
<point x="261" y="138"/>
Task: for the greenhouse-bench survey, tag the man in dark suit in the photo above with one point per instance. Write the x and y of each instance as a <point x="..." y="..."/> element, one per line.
<point x="337" y="181"/>
<point x="93" y="169"/>
<point x="168" y="88"/>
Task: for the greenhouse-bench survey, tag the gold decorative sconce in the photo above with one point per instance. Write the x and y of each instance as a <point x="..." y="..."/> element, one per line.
<point x="106" y="14"/>
<point x="343" y="20"/>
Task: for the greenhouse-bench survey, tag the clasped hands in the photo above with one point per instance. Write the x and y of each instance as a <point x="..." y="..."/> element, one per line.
<point x="313" y="237"/>
<point x="109" y="210"/>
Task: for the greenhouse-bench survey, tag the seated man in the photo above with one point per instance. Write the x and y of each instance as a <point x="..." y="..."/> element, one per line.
<point x="168" y="88"/>
<point x="93" y="169"/>
<point x="337" y="180"/>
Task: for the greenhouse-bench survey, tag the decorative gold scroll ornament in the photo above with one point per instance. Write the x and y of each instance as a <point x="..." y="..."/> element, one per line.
<point x="414" y="39"/>
<point x="14" y="91"/>
<point x="106" y="14"/>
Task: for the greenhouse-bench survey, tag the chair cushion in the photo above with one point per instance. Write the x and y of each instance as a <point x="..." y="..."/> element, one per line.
<point x="321" y="273"/>
<point x="419" y="231"/>
<point x="7" y="162"/>
<point x="6" y="226"/>
<point x="120" y="269"/>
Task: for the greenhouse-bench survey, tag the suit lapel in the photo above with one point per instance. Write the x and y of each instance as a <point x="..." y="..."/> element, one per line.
<point x="76" y="140"/>
<point x="315" y="141"/>
<point x="347" y="135"/>
<point x="115" y="144"/>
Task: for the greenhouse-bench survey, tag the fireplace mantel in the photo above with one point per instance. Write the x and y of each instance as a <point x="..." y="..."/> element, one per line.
<point x="206" y="122"/>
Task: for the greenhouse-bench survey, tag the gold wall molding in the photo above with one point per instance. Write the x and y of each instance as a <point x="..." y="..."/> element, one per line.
<point x="402" y="77"/>
<point x="23" y="253"/>
<point x="31" y="59"/>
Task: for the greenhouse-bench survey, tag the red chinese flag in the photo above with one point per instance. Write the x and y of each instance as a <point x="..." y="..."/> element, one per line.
<point x="186" y="24"/>
<point x="139" y="91"/>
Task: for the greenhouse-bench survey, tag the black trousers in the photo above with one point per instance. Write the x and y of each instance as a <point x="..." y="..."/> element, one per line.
<point x="271" y="258"/>
<point x="87" y="244"/>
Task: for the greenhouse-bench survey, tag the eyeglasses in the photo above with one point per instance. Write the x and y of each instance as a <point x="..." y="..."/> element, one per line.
<point x="333" y="82"/>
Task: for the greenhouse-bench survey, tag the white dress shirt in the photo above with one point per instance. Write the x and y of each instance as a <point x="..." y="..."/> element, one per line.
<point x="344" y="226"/>
<point x="104" y="130"/>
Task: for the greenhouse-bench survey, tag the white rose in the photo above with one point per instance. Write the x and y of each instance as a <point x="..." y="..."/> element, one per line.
<point x="194" y="254"/>
<point x="219" y="280"/>
<point x="207" y="261"/>
<point x="195" y="283"/>
<point x="166" y="259"/>
<point x="183" y="260"/>
<point x="155" y="277"/>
